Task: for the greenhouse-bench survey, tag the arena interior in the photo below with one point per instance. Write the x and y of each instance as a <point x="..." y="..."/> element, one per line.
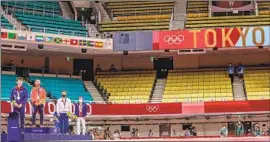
<point x="147" y="70"/>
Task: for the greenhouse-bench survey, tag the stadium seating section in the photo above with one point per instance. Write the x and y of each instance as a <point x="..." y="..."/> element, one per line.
<point x="45" y="17"/>
<point x="8" y="82"/>
<point x="5" y="23"/>
<point x="138" y="15"/>
<point x="55" y="85"/>
<point x="197" y="9"/>
<point x="128" y="87"/>
<point x="263" y="7"/>
<point x="257" y="84"/>
<point x="197" y="86"/>
<point x="197" y="17"/>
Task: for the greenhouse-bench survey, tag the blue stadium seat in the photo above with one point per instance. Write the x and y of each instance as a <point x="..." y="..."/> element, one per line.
<point x="5" y="23"/>
<point x="55" y="85"/>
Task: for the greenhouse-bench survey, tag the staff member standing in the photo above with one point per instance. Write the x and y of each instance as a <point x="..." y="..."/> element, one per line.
<point x="63" y="108"/>
<point x="38" y="99"/>
<point x="231" y="72"/>
<point x="80" y="112"/>
<point x="19" y="97"/>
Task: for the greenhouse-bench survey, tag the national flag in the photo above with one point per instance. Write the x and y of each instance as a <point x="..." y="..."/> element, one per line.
<point x="4" y="34"/>
<point x="11" y="35"/>
<point x="73" y="42"/>
<point x="31" y="37"/>
<point x="49" y="39"/>
<point x="58" y="40"/>
<point x="66" y="41"/>
<point x="99" y="44"/>
<point x="39" y="38"/>
<point x="91" y="43"/>
<point x="82" y="42"/>
<point x="21" y="36"/>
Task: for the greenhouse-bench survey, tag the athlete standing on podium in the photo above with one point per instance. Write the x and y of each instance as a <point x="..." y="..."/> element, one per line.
<point x="18" y="98"/>
<point x="38" y="99"/>
<point x="63" y="109"/>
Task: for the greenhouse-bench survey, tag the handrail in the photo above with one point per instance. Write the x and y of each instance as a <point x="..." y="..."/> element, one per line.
<point x="59" y="31"/>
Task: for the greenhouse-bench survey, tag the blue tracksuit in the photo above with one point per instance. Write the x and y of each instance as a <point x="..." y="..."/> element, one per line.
<point x="84" y="110"/>
<point x="20" y="96"/>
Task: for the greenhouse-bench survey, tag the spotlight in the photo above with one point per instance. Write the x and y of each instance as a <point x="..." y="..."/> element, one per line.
<point x="187" y="118"/>
<point x="228" y="117"/>
<point x="215" y="48"/>
<point x="207" y="117"/>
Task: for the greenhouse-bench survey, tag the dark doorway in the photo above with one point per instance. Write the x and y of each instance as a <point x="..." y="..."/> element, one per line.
<point x="85" y="65"/>
<point x="163" y="65"/>
<point x="231" y="127"/>
<point x="47" y="65"/>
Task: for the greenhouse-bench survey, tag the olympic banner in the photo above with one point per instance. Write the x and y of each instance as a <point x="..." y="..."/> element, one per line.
<point x="159" y="108"/>
<point x="210" y="38"/>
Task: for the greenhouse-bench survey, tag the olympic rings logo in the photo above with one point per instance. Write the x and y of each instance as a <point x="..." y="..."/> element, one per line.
<point x="153" y="108"/>
<point x="174" y="39"/>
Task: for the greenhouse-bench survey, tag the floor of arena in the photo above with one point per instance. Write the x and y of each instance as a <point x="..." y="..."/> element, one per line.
<point x="254" y="139"/>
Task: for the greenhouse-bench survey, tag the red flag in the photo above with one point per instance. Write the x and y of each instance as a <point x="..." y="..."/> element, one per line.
<point x="4" y="34"/>
<point x="73" y="42"/>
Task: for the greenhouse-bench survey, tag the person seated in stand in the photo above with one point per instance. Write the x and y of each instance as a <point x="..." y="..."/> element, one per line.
<point x="223" y="131"/>
<point x="98" y="69"/>
<point x="112" y="69"/>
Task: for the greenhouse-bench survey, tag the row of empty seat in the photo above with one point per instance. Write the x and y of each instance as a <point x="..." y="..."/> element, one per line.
<point x="5" y="23"/>
<point x="38" y="17"/>
<point x="8" y="82"/>
<point x="137" y="15"/>
<point x="39" y="6"/>
<point x="257" y="84"/>
<point x="228" y="21"/>
<point x="128" y="88"/>
<point x="264" y="7"/>
<point x="55" y="86"/>
<point x="197" y="86"/>
<point x="197" y="9"/>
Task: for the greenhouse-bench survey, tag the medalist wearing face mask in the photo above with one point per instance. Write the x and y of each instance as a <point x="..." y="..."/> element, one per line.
<point x="80" y="112"/>
<point x="63" y="108"/>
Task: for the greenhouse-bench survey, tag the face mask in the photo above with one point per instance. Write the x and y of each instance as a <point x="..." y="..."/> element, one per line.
<point x="63" y="96"/>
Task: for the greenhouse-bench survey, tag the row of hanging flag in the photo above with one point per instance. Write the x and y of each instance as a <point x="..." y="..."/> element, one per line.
<point x="52" y="39"/>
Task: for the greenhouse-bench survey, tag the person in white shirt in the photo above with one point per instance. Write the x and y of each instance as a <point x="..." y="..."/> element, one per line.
<point x="63" y="109"/>
<point x="116" y="135"/>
